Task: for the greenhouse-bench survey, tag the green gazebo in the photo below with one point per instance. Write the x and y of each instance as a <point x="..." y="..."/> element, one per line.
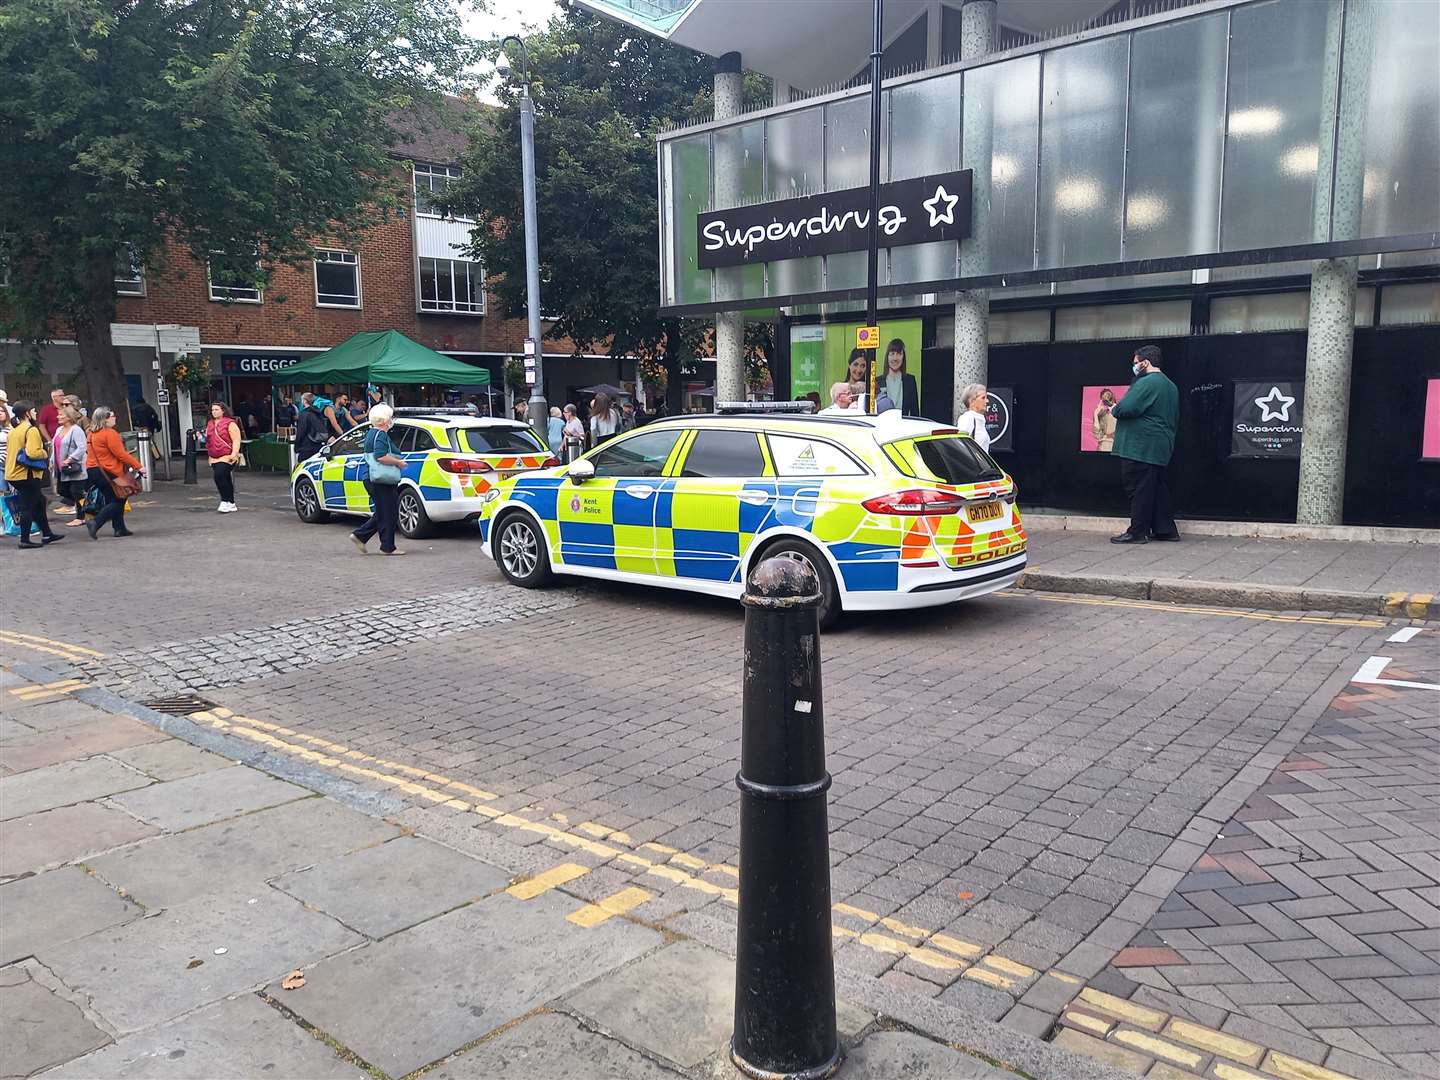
<point x="385" y="357"/>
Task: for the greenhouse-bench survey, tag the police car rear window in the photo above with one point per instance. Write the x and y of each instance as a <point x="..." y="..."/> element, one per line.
<point x="946" y="459"/>
<point x="499" y="440"/>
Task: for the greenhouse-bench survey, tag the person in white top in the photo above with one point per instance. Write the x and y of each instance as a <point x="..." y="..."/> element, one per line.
<point x="604" y="419"/>
<point x="842" y="400"/>
<point x="972" y="420"/>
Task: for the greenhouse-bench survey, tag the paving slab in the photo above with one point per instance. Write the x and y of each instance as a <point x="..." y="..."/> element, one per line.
<point x="170" y="760"/>
<point x="54" y="714"/>
<point x="40" y="1027"/>
<point x="678" y="1003"/>
<point x="140" y="974"/>
<point x="77" y="741"/>
<point x="384" y="889"/>
<point x="240" y="853"/>
<point x="886" y="1055"/>
<point x="65" y="784"/>
<point x="64" y="835"/>
<point x="238" y="1039"/>
<point x="423" y="993"/>
<point x="208" y="797"/>
<point x="49" y="909"/>
<point x="550" y="1047"/>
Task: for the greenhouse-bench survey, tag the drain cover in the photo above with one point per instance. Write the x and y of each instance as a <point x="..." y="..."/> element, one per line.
<point x="179" y="704"/>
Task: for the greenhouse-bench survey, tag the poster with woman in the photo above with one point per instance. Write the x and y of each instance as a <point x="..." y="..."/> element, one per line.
<point x="898" y="361"/>
<point x="1097" y="426"/>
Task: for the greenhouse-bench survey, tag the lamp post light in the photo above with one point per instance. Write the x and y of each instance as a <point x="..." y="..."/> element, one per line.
<point x="539" y="410"/>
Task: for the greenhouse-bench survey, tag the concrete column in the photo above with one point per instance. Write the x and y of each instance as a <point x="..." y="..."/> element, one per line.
<point x="729" y="325"/>
<point x="1327" y="392"/>
<point x="978" y="32"/>
<point x="1339" y="187"/>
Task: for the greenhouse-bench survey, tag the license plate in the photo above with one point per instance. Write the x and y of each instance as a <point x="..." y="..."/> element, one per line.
<point x="991" y="511"/>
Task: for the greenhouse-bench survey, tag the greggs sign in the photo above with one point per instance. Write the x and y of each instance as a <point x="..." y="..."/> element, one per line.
<point x="916" y="211"/>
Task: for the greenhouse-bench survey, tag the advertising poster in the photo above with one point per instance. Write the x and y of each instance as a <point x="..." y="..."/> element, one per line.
<point x="1430" y="438"/>
<point x="1097" y="426"/>
<point x="1268" y="419"/>
<point x="832" y="345"/>
<point x="999" y="413"/>
<point x="807" y="361"/>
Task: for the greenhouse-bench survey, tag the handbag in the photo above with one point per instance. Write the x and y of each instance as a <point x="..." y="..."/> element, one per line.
<point x="125" y="485"/>
<point x="380" y="473"/>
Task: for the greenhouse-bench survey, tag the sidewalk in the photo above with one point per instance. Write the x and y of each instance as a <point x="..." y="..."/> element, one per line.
<point x="160" y="899"/>
<point x="1280" y="574"/>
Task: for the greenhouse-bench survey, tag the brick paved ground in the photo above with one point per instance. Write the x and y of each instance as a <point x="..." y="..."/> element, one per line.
<point x="1034" y="775"/>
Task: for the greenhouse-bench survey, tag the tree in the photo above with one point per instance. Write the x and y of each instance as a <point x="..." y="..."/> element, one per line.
<point x="602" y="92"/>
<point x="216" y="126"/>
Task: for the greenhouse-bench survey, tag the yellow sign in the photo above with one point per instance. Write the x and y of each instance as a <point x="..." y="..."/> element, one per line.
<point x="867" y="337"/>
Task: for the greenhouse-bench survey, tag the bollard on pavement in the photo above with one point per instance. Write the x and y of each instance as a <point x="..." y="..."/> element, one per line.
<point x="190" y="457"/>
<point x="784" y="967"/>
<point x="145" y="453"/>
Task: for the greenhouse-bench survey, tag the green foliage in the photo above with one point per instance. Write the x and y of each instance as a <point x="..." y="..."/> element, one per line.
<point x="515" y="374"/>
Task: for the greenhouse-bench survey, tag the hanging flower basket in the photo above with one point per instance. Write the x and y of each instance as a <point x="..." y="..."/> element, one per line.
<point x="190" y="372"/>
<point x="652" y="373"/>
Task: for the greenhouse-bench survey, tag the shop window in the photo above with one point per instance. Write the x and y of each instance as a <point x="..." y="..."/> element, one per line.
<point x="1265" y="312"/>
<point x="453" y="286"/>
<point x="1104" y="322"/>
<point x="129" y="274"/>
<point x="1408" y="305"/>
<point x="1014" y="327"/>
<point x="235" y="279"/>
<point x="337" y="279"/>
<point x="432" y="182"/>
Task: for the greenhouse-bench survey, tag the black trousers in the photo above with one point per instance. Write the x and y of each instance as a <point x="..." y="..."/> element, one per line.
<point x="224" y="482"/>
<point x="31" y="496"/>
<point x="73" y="492"/>
<point x="1149" y="491"/>
<point x="110" y="508"/>
<point x="385" y="512"/>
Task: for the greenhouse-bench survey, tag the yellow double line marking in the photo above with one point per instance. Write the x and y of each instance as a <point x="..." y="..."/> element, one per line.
<point x="47" y="645"/>
<point x="41" y="691"/>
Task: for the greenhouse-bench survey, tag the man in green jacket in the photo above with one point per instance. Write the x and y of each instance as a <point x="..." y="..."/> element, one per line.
<point x="1145" y="422"/>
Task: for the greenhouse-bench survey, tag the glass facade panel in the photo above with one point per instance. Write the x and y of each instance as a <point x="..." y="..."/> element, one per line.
<point x="1001" y="141"/>
<point x="1015" y="327"/>
<point x="847" y="144"/>
<point x="923" y="262"/>
<point x="789" y="277"/>
<point x="1082" y="154"/>
<point x="1401" y="115"/>
<point x="1272" y="135"/>
<point x="925" y="128"/>
<point x="846" y="270"/>
<point x="688" y="179"/>
<point x="1177" y="131"/>
<point x="793" y="154"/>
<point x="739" y="176"/>
<point x="1409" y="305"/>
<point x="1108" y="322"/>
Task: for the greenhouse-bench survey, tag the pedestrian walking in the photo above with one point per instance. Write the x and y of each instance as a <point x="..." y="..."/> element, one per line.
<point x="113" y="473"/>
<point x="383" y="484"/>
<point x="222" y="447"/>
<point x="311" y="431"/>
<point x="604" y="419"/>
<point x="9" y="504"/>
<point x="70" y="447"/>
<point x="574" y="433"/>
<point x="972" y="421"/>
<point x="521" y="410"/>
<point x="26" y="457"/>
<point x="1146" y="419"/>
<point x="555" y="431"/>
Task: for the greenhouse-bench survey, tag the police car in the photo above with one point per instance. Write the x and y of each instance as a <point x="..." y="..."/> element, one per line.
<point x="452" y="460"/>
<point x="891" y="512"/>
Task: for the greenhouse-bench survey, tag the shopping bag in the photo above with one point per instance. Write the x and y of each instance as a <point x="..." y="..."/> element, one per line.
<point x="9" y="515"/>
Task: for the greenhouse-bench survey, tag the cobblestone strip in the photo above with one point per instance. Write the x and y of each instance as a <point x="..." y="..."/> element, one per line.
<point x="245" y="655"/>
<point x="1305" y="941"/>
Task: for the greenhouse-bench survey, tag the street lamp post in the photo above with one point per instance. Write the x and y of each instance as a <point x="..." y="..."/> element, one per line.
<point x="872" y="260"/>
<point x="539" y="409"/>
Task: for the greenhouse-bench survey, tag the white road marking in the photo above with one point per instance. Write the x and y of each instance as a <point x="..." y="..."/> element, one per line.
<point x="1406" y="634"/>
<point x="1369" y="673"/>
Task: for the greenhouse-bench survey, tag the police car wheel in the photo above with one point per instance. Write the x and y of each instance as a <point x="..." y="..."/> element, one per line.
<point x="414" y="522"/>
<point x="802" y="552"/>
<point x="307" y="503"/>
<point x="520" y="551"/>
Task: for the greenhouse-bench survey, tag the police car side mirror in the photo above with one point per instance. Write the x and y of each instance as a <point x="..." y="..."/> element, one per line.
<point x="580" y="471"/>
<point x="326" y="451"/>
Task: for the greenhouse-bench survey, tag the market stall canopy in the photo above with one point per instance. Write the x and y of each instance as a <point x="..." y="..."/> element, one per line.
<point x="385" y="357"/>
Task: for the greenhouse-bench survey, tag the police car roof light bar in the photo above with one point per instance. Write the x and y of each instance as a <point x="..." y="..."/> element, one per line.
<point x="723" y="408"/>
<point x="432" y="410"/>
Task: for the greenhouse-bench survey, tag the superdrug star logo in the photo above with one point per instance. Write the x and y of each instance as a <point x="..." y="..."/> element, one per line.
<point x="1274" y="406"/>
<point x="936" y="201"/>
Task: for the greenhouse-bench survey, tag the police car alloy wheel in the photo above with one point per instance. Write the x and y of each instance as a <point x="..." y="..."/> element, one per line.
<point x="804" y="553"/>
<point x="414" y="522"/>
<point x="520" y="551"/>
<point x="307" y="502"/>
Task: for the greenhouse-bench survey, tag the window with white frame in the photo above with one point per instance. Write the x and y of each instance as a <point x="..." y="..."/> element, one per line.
<point x="452" y="285"/>
<point x="337" y="279"/>
<point x="431" y="182"/>
<point x="235" y="278"/>
<point x="129" y="274"/>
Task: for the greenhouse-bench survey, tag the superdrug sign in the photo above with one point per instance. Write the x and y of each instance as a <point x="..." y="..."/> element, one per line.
<point x="914" y="211"/>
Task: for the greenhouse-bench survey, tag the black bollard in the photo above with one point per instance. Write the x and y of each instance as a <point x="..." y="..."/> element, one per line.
<point x="190" y="456"/>
<point x="784" y="967"/>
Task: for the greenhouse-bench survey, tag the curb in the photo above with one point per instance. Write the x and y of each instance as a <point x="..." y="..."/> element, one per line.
<point x="1266" y="530"/>
<point x="1237" y="594"/>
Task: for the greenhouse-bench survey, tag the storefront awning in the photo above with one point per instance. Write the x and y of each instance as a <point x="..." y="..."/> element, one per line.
<point x="385" y="357"/>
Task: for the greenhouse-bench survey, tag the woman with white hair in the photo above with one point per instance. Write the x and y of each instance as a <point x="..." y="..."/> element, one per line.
<point x="383" y="484"/>
<point x="972" y="421"/>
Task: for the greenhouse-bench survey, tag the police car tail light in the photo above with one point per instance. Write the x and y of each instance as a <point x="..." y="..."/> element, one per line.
<point x="915" y="501"/>
<point x="550" y="463"/>
<point x="462" y="465"/>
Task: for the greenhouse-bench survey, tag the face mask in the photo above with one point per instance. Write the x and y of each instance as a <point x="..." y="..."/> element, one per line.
<point x="1135" y="368"/>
